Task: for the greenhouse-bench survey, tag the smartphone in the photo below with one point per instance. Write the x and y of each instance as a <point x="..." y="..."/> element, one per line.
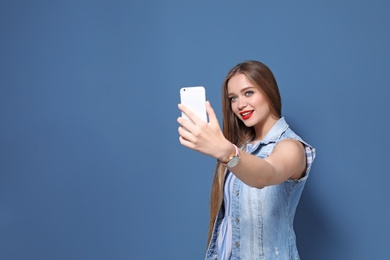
<point x="194" y="98"/>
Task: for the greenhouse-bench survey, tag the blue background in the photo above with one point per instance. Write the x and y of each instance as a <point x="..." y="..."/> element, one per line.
<point x="90" y="163"/>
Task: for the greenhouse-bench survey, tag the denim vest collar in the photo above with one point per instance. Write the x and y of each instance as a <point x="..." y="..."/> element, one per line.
<point x="272" y="136"/>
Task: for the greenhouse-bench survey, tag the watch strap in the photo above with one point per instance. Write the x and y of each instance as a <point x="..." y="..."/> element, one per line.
<point x="236" y="154"/>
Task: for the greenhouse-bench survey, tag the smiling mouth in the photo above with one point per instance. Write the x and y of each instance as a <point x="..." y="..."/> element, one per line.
<point x="246" y="114"/>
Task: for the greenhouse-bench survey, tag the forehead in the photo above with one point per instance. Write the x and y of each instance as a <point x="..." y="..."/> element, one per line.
<point x="239" y="82"/>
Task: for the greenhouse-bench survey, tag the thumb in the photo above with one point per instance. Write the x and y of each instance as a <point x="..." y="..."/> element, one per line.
<point x="210" y="111"/>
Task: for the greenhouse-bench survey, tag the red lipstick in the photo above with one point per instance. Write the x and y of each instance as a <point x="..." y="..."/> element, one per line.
<point x="246" y="114"/>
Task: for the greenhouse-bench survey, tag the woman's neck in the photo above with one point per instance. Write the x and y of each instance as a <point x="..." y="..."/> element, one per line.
<point x="262" y="129"/>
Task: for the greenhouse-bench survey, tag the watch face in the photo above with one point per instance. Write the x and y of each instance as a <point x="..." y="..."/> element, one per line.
<point x="233" y="162"/>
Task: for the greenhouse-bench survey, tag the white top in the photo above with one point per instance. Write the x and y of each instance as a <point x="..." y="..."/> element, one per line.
<point x="224" y="240"/>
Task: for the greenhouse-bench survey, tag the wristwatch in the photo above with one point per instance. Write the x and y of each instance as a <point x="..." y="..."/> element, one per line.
<point x="233" y="159"/>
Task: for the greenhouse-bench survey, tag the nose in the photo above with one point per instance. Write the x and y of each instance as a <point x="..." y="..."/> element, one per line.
<point x="241" y="103"/>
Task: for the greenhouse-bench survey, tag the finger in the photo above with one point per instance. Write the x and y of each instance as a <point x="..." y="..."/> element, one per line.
<point x="187" y="125"/>
<point x="190" y="114"/>
<point x="185" y="134"/>
<point x="211" y="113"/>
<point x="186" y="143"/>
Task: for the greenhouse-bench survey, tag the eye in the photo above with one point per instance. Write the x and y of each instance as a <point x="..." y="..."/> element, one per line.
<point x="232" y="99"/>
<point x="249" y="93"/>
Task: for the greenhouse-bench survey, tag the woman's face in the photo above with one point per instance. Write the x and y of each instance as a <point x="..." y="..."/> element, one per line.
<point x="248" y="103"/>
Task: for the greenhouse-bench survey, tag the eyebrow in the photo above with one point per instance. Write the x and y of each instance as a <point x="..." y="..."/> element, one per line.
<point x="242" y="90"/>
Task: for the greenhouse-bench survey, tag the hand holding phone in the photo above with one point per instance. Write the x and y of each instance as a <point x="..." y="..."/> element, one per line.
<point x="206" y="138"/>
<point x="194" y="98"/>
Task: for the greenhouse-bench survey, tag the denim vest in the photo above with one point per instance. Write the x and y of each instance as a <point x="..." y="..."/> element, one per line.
<point x="262" y="219"/>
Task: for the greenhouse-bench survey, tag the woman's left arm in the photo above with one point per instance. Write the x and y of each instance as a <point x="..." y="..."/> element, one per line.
<point x="288" y="159"/>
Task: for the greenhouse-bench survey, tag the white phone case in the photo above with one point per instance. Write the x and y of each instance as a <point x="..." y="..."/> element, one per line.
<point x="194" y="98"/>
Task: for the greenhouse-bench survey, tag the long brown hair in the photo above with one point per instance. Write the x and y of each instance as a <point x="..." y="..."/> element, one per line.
<point x="234" y="129"/>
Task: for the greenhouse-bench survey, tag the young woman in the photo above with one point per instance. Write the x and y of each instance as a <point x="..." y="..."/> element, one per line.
<point x="261" y="171"/>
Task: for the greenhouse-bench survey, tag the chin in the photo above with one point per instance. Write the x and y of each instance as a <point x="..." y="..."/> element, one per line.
<point x="248" y="124"/>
